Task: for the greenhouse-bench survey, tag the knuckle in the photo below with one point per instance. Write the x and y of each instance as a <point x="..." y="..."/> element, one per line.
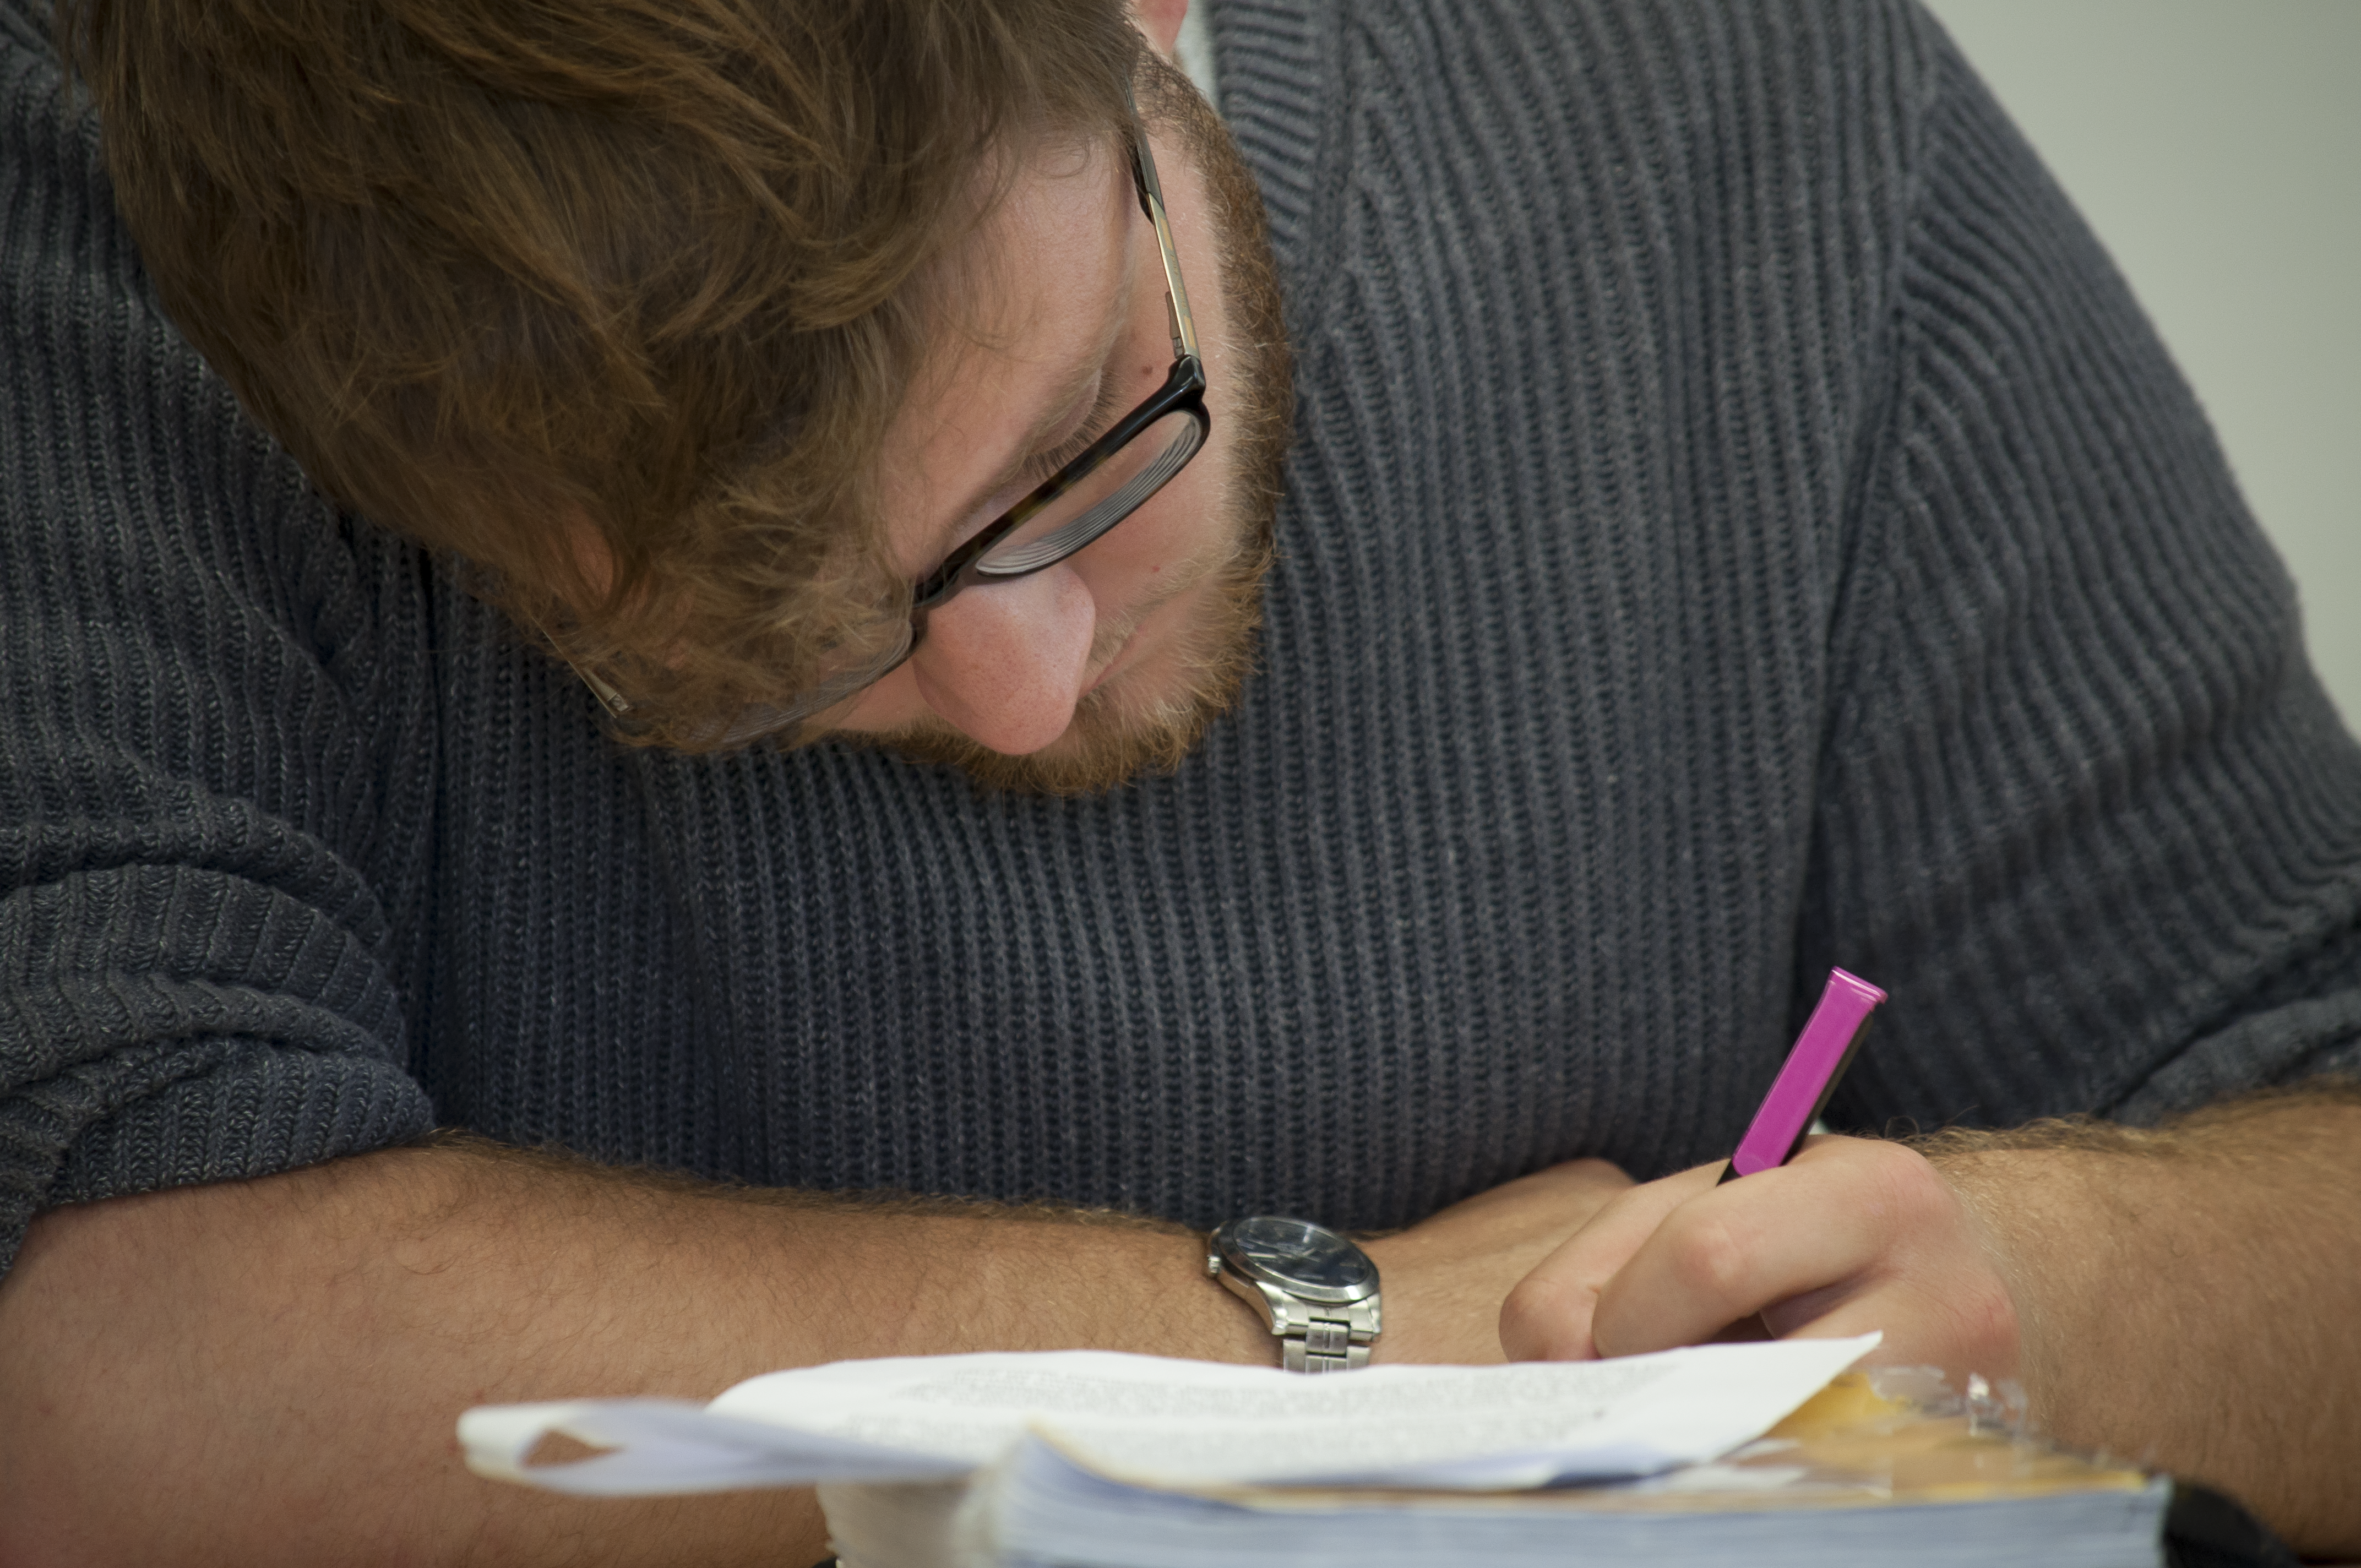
<point x="1902" y="1186"/>
<point x="1707" y="1257"/>
<point x="1541" y="1319"/>
<point x="1523" y="1311"/>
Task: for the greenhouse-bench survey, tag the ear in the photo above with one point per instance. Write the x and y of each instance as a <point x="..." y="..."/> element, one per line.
<point x="1161" y="20"/>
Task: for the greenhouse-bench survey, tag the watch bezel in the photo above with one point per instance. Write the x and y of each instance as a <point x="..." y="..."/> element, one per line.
<point x="1248" y="1267"/>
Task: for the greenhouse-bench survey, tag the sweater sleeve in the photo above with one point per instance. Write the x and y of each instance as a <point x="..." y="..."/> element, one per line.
<point x="2085" y="809"/>
<point x="216" y="757"/>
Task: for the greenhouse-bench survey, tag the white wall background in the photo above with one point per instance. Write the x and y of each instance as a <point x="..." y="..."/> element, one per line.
<point x="2215" y="145"/>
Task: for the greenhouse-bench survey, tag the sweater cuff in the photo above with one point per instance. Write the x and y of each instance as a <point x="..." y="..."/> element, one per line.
<point x="2312" y="1038"/>
<point x="187" y="1112"/>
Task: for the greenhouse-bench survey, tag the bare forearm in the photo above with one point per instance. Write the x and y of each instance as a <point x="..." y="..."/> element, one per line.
<point x="270" y="1371"/>
<point x="2190" y="1297"/>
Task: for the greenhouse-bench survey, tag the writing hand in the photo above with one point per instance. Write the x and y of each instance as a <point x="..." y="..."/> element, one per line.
<point x="1851" y="1235"/>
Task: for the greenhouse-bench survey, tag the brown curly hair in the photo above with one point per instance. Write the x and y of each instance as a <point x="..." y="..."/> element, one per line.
<point x="514" y="276"/>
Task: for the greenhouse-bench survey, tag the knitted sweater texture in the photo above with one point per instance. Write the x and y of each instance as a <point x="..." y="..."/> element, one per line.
<point x="1739" y="522"/>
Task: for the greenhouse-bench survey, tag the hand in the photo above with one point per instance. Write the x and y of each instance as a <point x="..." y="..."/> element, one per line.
<point x="1445" y="1278"/>
<point x="1851" y="1235"/>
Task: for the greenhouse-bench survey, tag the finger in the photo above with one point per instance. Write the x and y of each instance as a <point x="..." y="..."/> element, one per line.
<point x="1547" y="1316"/>
<point x="1728" y="1253"/>
<point x="1819" y="1226"/>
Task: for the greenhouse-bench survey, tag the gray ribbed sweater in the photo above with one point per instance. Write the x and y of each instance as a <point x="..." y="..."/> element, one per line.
<point x="1739" y="522"/>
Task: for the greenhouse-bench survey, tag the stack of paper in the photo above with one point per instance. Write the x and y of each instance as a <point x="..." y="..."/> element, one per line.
<point x="1134" y="1461"/>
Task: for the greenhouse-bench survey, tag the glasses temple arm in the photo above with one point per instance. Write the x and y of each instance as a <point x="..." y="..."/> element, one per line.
<point x="1151" y="202"/>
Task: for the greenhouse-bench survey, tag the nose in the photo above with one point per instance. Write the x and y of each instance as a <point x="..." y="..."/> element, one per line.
<point x="1004" y="662"/>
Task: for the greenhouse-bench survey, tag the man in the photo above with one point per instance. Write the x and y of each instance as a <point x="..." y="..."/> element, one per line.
<point x="1733" y="522"/>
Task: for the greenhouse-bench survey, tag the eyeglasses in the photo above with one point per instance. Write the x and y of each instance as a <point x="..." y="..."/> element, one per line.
<point x="1112" y="479"/>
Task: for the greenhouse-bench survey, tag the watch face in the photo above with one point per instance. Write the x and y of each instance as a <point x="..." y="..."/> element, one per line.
<point x="1297" y="1255"/>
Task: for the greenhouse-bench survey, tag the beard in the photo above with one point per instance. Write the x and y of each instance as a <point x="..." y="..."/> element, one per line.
<point x="1118" y="735"/>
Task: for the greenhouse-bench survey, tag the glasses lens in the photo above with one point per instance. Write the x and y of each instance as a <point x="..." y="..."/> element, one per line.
<point x="1099" y="499"/>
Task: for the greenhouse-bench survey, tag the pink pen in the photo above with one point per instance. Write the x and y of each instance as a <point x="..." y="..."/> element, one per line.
<point x="1801" y="1090"/>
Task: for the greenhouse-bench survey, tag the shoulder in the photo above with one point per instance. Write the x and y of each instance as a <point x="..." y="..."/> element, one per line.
<point x="177" y="587"/>
<point x="1633" y="130"/>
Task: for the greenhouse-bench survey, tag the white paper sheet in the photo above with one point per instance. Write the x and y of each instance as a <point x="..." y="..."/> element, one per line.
<point x="932" y="1418"/>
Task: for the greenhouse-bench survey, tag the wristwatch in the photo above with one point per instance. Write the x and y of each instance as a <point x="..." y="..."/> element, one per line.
<point x="1317" y="1290"/>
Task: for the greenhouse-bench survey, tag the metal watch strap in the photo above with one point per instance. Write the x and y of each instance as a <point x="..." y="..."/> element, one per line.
<point x="1313" y="1336"/>
<point x="1319" y="1337"/>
